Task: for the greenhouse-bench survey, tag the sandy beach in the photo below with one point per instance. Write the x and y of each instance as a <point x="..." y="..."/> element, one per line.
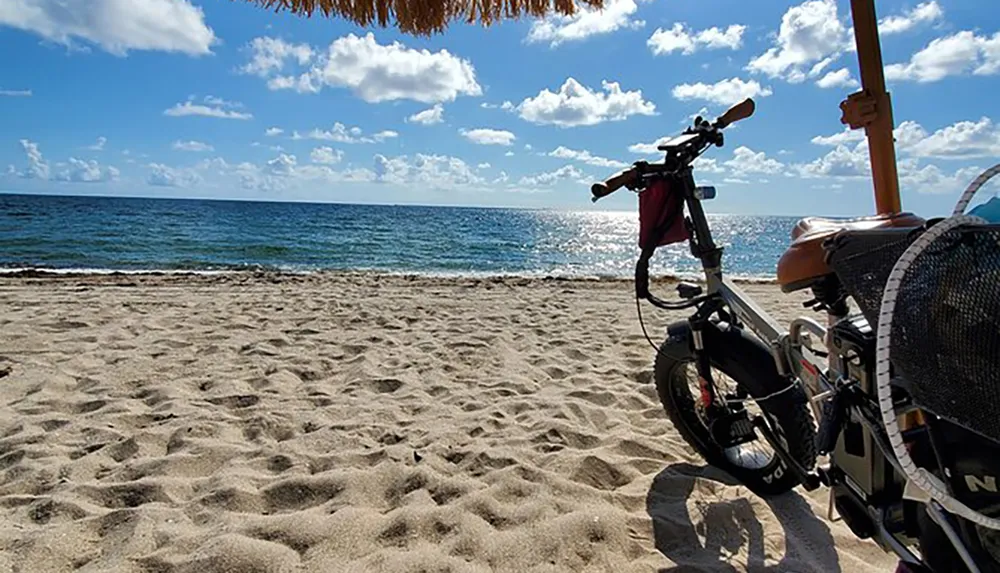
<point x="337" y="423"/>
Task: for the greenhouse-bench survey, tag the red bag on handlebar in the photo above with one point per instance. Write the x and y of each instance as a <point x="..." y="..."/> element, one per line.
<point x="661" y="216"/>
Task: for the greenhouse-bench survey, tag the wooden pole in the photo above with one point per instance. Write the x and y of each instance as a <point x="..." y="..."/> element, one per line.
<point x="873" y="108"/>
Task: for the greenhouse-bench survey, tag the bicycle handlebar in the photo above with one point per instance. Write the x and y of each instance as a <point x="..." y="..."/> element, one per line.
<point x="613" y="183"/>
<point x="738" y="112"/>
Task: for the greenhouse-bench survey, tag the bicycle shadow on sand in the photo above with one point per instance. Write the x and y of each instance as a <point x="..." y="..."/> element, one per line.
<point x="724" y="526"/>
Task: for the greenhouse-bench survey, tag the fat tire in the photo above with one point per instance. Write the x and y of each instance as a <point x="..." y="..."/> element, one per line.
<point x="747" y="361"/>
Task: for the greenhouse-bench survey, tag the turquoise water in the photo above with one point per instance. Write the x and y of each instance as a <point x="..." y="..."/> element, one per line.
<point x="98" y="233"/>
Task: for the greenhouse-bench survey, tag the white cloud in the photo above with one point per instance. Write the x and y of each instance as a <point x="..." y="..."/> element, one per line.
<point x="82" y="171"/>
<point x="837" y="79"/>
<point x="961" y="140"/>
<point x="907" y="135"/>
<point x="716" y="38"/>
<point x="280" y="173"/>
<point x="74" y="170"/>
<point x="283" y="172"/>
<point x="484" y="165"/>
<point x="269" y="55"/>
<point x="584" y="156"/>
<point x="254" y="178"/>
<point x="374" y="72"/>
<point x="586" y="22"/>
<point x="37" y="167"/>
<point x="723" y="92"/>
<point x="283" y="164"/>
<point x="196" y="146"/>
<point x="921" y="14"/>
<point x="575" y="104"/>
<point x="426" y="171"/>
<point x="506" y="106"/>
<point x="486" y="136"/>
<point x="220" y="165"/>
<point x="117" y="26"/>
<point x="15" y="93"/>
<point x="960" y="53"/>
<point x="429" y="116"/>
<point x="746" y="160"/>
<point x="98" y="145"/>
<point x="648" y="148"/>
<point x="340" y="133"/>
<point x="930" y="179"/>
<point x="509" y="154"/>
<point x="274" y="131"/>
<point x="810" y="32"/>
<point x="326" y="174"/>
<point x="842" y="161"/>
<point x="213" y="100"/>
<point x="564" y="173"/>
<point x="163" y="176"/>
<point x="326" y="155"/>
<point x="707" y="165"/>
<point x="211" y="107"/>
<point x="846" y="136"/>
<point x="678" y="38"/>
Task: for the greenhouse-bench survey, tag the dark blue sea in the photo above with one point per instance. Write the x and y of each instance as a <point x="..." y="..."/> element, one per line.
<point x="126" y="234"/>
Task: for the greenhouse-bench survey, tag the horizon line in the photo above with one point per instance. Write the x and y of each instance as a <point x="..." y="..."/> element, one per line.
<point x="373" y="204"/>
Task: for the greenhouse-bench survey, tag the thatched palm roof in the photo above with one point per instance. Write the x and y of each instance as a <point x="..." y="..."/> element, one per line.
<point x="425" y="17"/>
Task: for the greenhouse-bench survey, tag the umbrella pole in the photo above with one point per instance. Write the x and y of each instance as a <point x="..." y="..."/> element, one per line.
<point x="871" y="108"/>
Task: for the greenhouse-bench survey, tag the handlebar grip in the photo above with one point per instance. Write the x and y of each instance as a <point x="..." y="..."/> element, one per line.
<point x="742" y="110"/>
<point x="612" y="184"/>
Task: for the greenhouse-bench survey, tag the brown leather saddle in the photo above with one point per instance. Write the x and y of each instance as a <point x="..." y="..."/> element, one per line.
<point x="805" y="260"/>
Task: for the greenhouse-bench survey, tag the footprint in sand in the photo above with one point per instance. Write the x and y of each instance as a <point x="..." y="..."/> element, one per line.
<point x="123" y="450"/>
<point x="64" y="325"/>
<point x="51" y="425"/>
<point x="575" y="354"/>
<point x="385" y="385"/>
<point x="556" y="373"/>
<point x="126" y="494"/>
<point x="597" y="473"/>
<point x="171" y="343"/>
<point x="302" y="492"/>
<point x="396" y="534"/>
<point x="279" y="463"/>
<point x="598" y="398"/>
<point x="46" y="509"/>
<point x="236" y="401"/>
<point x="232" y="552"/>
<point x="570" y="438"/>
<point x="643" y="376"/>
<point x="90" y="406"/>
<point x="11" y="459"/>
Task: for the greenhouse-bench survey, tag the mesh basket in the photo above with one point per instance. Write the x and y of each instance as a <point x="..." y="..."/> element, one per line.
<point x="945" y="339"/>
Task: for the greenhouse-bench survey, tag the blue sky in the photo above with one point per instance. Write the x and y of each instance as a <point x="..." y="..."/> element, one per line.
<point x="213" y="98"/>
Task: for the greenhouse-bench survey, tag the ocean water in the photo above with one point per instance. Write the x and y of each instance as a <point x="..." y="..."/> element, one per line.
<point x="126" y="234"/>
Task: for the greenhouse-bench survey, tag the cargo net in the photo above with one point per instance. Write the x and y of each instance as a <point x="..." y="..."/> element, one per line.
<point x="945" y="336"/>
<point x="937" y="316"/>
